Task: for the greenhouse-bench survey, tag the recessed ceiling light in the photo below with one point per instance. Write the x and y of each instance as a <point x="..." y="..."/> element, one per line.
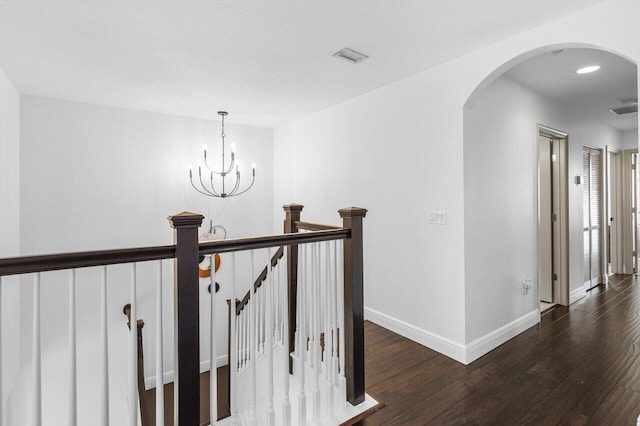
<point x="589" y="69"/>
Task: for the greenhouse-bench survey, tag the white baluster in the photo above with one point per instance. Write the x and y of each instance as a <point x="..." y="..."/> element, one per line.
<point x="315" y="303"/>
<point x="328" y="333"/>
<point x="286" y="405"/>
<point x="252" y="347"/>
<point x="334" y="309"/>
<point x="133" y="354"/>
<point x="1" y="380"/>
<point x="277" y="308"/>
<point x="243" y="340"/>
<point x="302" y="343"/>
<point x="36" y="356"/>
<point x="73" y="382"/>
<point x="342" y="381"/>
<point x="233" y="361"/>
<point x="260" y="317"/>
<point x="271" y="415"/>
<point x="159" y="351"/>
<point x="104" y="409"/>
<point x="213" y="372"/>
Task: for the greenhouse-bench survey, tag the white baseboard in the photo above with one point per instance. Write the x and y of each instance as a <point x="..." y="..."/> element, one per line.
<point x="167" y="377"/>
<point x="577" y="294"/>
<point x="464" y="354"/>
<point x="492" y="340"/>
<point x="453" y="350"/>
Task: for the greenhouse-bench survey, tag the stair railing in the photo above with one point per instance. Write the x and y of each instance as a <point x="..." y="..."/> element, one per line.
<point x="186" y="251"/>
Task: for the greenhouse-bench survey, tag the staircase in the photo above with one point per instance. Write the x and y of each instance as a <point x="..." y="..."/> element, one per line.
<point x="295" y="341"/>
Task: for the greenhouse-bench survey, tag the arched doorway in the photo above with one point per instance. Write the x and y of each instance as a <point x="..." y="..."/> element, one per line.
<point x="502" y="171"/>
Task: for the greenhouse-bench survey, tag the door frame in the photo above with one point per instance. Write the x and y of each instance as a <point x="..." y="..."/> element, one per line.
<point x="561" y="207"/>
<point x="629" y="231"/>
<point x="617" y="267"/>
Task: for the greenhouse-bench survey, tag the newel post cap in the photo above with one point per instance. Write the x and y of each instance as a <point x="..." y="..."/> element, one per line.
<point x="352" y="212"/>
<point x="293" y="207"/>
<point x="185" y="220"/>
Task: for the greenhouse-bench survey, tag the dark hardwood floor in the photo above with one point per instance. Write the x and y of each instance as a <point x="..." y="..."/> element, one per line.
<point x="580" y="365"/>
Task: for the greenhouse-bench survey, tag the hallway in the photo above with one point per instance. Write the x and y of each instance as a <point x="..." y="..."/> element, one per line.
<point x="579" y="366"/>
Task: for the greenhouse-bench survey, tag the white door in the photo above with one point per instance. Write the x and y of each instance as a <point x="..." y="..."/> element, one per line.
<point x="592" y="217"/>
<point x="634" y="211"/>
<point x="545" y="212"/>
<point x="613" y="219"/>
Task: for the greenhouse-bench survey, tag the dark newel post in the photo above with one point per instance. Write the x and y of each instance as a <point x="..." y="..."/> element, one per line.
<point x="186" y="397"/>
<point x="292" y="216"/>
<point x="353" y="304"/>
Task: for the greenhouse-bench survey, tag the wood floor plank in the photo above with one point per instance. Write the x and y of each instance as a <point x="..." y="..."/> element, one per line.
<point x="580" y="365"/>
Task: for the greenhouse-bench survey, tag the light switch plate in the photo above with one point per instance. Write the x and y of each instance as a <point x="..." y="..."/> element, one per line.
<point x="437" y="217"/>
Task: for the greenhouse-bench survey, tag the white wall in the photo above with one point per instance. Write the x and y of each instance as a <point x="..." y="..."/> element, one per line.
<point x="9" y="226"/>
<point x="398" y="151"/>
<point x="500" y="152"/>
<point x="98" y="177"/>
<point x="630" y="139"/>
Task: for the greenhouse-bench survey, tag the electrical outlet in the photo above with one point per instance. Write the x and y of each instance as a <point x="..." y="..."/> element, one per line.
<point x="526" y="286"/>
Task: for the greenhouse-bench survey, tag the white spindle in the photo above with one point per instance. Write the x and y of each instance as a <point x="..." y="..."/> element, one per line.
<point x="342" y="381"/>
<point x="252" y="347"/>
<point x="328" y="378"/>
<point x="133" y="354"/>
<point x="73" y="382"/>
<point x="259" y="294"/>
<point x="234" y="342"/>
<point x="315" y="303"/>
<point x="213" y="372"/>
<point x="1" y="380"/>
<point x="271" y="415"/>
<point x="36" y="356"/>
<point x="104" y="406"/>
<point x="302" y="400"/>
<point x="159" y="351"/>
<point x="286" y="405"/>
<point x="334" y="309"/>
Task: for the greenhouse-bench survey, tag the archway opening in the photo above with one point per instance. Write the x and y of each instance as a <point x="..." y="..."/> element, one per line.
<point x="502" y="119"/>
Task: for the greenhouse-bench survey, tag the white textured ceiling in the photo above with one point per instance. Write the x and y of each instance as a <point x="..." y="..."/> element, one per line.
<point x="266" y="62"/>
<point x="592" y="94"/>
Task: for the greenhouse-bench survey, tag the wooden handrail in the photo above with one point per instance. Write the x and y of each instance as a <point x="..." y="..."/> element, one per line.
<point x="240" y="304"/>
<point x="73" y="260"/>
<point x="308" y="226"/>
<point x="252" y="243"/>
<point x="54" y="262"/>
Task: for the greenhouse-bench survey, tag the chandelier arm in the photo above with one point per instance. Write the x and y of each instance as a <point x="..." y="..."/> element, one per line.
<point x="204" y="187"/>
<point x="209" y="168"/>
<point x="213" y="188"/>
<point x="236" y="185"/>
<point x="248" y="188"/>
<point x="233" y="162"/>
<point x="208" y="194"/>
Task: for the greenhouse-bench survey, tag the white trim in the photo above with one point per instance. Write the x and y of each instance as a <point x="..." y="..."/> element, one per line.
<point x="492" y="340"/>
<point x="464" y="354"/>
<point x="453" y="350"/>
<point x="167" y="377"/>
<point x="577" y="294"/>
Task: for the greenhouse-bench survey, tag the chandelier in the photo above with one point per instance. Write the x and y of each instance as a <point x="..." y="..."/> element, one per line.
<point x="227" y="178"/>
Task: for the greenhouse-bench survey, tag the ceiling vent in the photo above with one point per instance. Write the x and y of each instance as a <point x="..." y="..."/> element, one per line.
<point x="350" y="55"/>
<point x="628" y="107"/>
